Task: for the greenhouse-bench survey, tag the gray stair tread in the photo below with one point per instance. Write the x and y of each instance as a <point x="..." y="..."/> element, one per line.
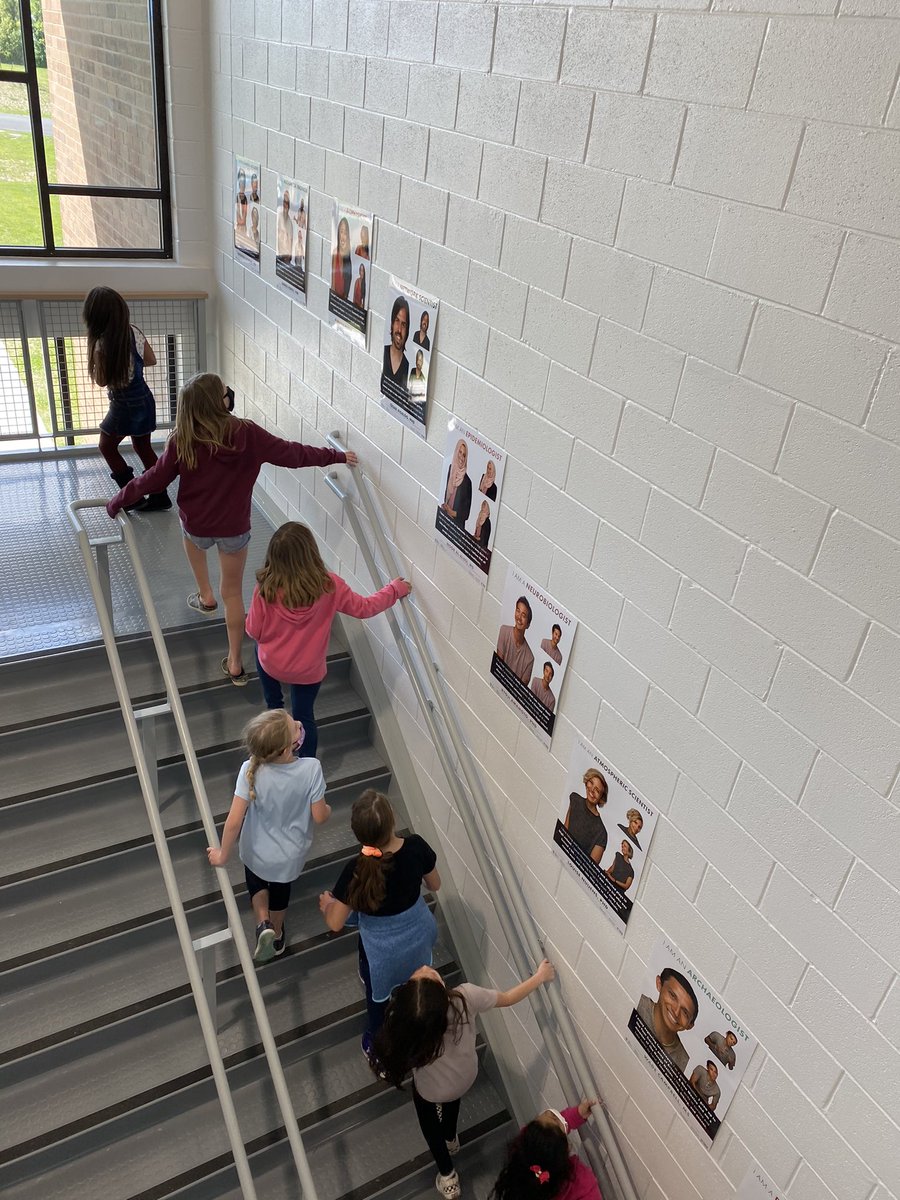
<point x="43" y="998"/>
<point x="141" y="1054"/>
<point x="88" y="820"/>
<point x="367" y="1152"/>
<point x="43" y="688"/>
<point x="83" y="748"/>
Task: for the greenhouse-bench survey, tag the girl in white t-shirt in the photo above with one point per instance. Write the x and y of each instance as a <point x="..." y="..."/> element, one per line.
<point x="430" y="1030"/>
<point x="275" y="796"/>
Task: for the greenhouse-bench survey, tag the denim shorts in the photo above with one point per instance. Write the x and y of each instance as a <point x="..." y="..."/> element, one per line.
<point x="227" y="545"/>
<point x="130" y="418"/>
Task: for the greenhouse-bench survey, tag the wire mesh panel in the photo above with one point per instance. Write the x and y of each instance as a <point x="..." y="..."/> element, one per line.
<point x="18" y="419"/>
<point x="172" y="327"/>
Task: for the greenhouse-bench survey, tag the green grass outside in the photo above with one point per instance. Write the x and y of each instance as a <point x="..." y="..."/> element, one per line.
<point x="14" y="97"/>
<point x="20" y="213"/>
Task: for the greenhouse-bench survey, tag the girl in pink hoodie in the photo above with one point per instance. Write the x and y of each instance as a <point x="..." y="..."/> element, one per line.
<point x="539" y="1165"/>
<point x="290" y="617"/>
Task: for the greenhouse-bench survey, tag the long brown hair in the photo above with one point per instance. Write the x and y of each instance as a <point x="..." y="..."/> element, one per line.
<point x="108" y="323"/>
<point x="293" y="573"/>
<point x="202" y="418"/>
<point x="372" y="822"/>
<point x="416" y="1023"/>
<point x="266" y="736"/>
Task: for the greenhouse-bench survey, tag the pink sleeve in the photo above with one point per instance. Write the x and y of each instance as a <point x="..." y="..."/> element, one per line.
<point x="368" y="606"/>
<point x="573" y="1117"/>
<point x="583" y="1184"/>
<point x="255" y="615"/>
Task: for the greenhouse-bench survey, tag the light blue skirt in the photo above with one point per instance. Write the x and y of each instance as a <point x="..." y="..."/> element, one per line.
<point x="396" y="946"/>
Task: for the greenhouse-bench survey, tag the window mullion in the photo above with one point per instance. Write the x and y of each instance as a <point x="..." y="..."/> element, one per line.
<point x="37" y="126"/>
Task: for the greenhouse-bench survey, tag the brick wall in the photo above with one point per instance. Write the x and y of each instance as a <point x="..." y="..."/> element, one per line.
<point x="665" y="239"/>
<point x="101" y="105"/>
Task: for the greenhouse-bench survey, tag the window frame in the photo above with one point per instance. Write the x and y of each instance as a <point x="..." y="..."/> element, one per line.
<point x="162" y="193"/>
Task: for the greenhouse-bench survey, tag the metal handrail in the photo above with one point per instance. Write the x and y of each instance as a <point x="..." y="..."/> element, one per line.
<point x="516" y="920"/>
<point x="100" y="590"/>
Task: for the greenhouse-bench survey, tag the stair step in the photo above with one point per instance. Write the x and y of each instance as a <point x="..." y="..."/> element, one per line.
<point x="72" y="682"/>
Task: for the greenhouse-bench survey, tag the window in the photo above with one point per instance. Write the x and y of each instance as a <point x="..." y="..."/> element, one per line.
<point x="83" y="152"/>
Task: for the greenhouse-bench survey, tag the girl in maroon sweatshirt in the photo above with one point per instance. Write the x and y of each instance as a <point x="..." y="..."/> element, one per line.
<point x="539" y="1165"/>
<point x="294" y="604"/>
<point x="217" y="458"/>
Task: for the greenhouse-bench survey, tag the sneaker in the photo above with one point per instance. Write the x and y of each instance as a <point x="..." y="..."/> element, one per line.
<point x="448" y="1186"/>
<point x="280" y="944"/>
<point x="453" y="1145"/>
<point x="265" y="942"/>
<point x="367" y="1049"/>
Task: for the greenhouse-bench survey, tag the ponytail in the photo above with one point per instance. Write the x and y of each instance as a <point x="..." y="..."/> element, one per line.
<point x="372" y="822"/>
<point x="267" y="737"/>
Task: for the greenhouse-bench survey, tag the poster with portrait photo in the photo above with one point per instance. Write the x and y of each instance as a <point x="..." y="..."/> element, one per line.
<point x="351" y="268"/>
<point x="291" y="224"/>
<point x="690" y="1038"/>
<point x="410" y="325"/>
<point x="757" y="1186"/>
<point x="247" y="214"/>
<point x="603" y="832"/>
<point x="469" y="496"/>
<point x="528" y="676"/>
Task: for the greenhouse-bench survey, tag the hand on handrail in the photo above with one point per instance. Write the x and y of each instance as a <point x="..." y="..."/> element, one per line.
<point x="352" y="458"/>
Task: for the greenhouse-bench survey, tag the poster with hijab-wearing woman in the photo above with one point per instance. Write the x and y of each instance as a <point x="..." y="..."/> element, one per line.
<point x="409" y="328"/>
<point x="604" y="828"/>
<point x="528" y="677"/>
<point x="247" y="217"/>
<point x="351" y="268"/>
<point x="291" y="222"/>
<point x="468" y="498"/>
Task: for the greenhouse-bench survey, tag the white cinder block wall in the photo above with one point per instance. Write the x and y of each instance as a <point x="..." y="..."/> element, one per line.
<point x="665" y="239"/>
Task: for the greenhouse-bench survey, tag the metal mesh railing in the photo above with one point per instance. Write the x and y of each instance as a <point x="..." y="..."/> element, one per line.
<point x="18" y="414"/>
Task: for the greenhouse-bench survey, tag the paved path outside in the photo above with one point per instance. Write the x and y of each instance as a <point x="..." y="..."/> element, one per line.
<point x="21" y="123"/>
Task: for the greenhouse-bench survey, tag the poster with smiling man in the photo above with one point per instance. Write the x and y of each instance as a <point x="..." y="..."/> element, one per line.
<point x="410" y="325"/>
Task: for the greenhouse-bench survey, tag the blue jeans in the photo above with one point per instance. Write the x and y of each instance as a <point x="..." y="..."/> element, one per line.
<point x="303" y="697"/>
<point x="375" y="1009"/>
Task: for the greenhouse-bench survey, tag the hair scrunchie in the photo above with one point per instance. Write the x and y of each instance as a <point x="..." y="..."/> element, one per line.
<point x="371" y="852"/>
<point x="540" y="1174"/>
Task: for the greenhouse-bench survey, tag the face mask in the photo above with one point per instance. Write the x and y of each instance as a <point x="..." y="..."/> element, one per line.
<point x="562" y="1120"/>
<point x="229" y="399"/>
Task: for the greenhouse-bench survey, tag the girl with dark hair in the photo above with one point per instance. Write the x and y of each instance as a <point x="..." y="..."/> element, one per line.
<point x="383" y="885"/>
<point x="429" y="1029"/>
<point x="539" y="1165"/>
<point x="216" y="458"/>
<point x="294" y="605"/>
<point x="276" y="797"/>
<point x="117" y="355"/>
<point x="341" y="266"/>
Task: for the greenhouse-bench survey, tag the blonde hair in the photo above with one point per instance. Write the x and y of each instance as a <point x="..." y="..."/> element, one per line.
<point x="267" y="737"/>
<point x="293" y="573"/>
<point x="202" y="418"/>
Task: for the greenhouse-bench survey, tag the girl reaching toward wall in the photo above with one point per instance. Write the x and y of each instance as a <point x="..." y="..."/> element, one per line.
<point x="539" y="1165"/>
<point x="217" y="458"/>
<point x="293" y="608"/>
<point x="276" y="797"/>
<point x="429" y="1029"/>
<point x="118" y="352"/>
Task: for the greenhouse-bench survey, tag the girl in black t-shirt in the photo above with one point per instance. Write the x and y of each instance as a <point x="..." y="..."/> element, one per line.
<point x="383" y="885"/>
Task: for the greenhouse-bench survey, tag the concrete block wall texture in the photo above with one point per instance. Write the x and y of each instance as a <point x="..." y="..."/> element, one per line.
<point x="666" y="239"/>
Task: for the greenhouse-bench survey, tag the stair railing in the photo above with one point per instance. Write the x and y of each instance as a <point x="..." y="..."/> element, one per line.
<point x="519" y="927"/>
<point x="139" y="725"/>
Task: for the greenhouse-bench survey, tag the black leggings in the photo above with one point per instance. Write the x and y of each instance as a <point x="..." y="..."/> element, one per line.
<point x="279" y="893"/>
<point x="438" y="1124"/>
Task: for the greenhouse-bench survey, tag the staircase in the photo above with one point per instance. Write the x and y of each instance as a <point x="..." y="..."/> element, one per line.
<point x="105" y="1089"/>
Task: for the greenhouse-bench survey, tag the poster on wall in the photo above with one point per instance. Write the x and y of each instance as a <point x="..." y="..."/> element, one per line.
<point x="690" y="1038"/>
<point x="247" y="215"/>
<point x="757" y="1186"/>
<point x="471" y="479"/>
<point x="351" y="255"/>
<point x="604" y="829"/>
<point x="406" y="360"/>
<point x="529" y="664"/>
<point x="291" y="221"/>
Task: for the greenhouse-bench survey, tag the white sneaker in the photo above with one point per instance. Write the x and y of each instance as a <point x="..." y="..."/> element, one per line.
<point x="448" y="1186"/>
<point x="453" y="1146"/>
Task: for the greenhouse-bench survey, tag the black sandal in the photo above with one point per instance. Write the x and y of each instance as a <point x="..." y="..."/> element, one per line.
<point x="238" y="680"/>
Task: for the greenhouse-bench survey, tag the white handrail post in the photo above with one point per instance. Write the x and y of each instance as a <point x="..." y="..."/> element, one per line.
<point x="103" y="577"/>
<point x="205" y="949"/>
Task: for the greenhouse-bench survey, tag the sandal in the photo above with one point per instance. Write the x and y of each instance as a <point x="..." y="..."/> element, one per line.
<point x="238" y="680"/>
<point x="197" y="605"/>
